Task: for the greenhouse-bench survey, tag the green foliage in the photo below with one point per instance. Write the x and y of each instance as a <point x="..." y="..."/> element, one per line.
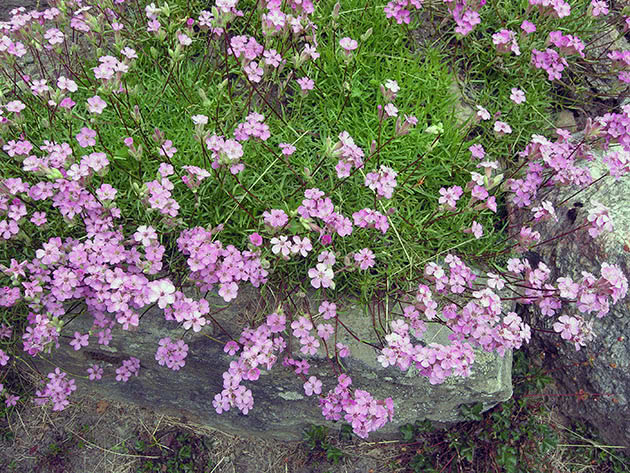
<point x="186" y="453"/>
<point x="513" y="437"/>
<point x="318" y="442"/>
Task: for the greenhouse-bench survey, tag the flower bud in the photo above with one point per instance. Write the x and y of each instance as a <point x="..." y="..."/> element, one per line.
<point x="335" y="12"/>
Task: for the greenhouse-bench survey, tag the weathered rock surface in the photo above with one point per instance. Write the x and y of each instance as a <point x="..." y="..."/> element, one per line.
<point x="602" y="368"/>
<point x="281" y="409"/>
<point x="8" y="5"/>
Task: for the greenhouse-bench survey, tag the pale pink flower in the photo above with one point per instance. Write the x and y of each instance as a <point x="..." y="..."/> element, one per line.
<point x="96" y="105"/>
<point x="517" y="96"/>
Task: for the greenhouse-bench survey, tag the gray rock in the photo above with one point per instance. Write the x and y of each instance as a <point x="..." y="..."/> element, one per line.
<point x="602" y="368"/>
<point x="8" y="5"/>
<point x="281" y="409"/>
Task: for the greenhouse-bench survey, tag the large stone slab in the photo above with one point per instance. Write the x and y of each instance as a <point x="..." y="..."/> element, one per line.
<point x="281" y="409"/>
<point x="601" y="370"/>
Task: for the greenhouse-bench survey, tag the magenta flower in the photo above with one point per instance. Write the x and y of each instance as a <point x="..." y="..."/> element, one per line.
<point x="255" y="239"/>
<point x="364" y="258"/>
<point x="528" y="27"/>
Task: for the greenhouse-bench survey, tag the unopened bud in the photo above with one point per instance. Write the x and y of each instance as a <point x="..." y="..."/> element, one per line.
<point x="335" y="12"/>
<point x="365" y="36"/>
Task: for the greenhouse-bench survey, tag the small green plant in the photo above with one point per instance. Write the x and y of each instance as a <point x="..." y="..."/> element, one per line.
<point x="317" y="440"/>
<point x="181" y="452"/>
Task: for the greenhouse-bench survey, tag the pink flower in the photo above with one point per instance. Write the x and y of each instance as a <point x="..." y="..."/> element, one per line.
<point x="343" y="350"/>
<point x="95" y="372"/>
<point x="255" y="239"/>
<point x="67" y="84"/>
<point x="322" y="276"/>
<point x="275" y="218"/>
<point x="348" y="45"/>
<point x="281" y="245"/>
<point x="313" y="385"/>
<point x="390" y="110"/>
<point x="39" y="218"/>
<point x="4" y="358"/>
<point x="482" y="113"/>
<point x="502" y="128"/>
<point x="231" y="348"/>
<point x="302" y="246"/>
<point x="477" y="151"/>
<point x="287" y="149"/>
<point x="11" y="400"/>
<point x="15" y="106"/>
<point x="328" y="310"/>
<point x="600" y="220"/>
<point x="306" y="84"/>
<point x="86" y="137"/>
<point x="162" y="292"/>
<point x="528" y="27"/>
<point x="477" y="230"/>
<point x="96" y="105"/>
<point x="365" y="258"/>
<point x="517" y="96"/>
<point x="79" y="341"/>
<point x="599" y="7"/>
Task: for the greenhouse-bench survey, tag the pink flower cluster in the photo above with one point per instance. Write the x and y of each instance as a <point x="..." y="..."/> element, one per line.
<point x="252" y="127"/>
<point x="621" y="61"/>
<point x="466" y="14"/>
<point x="556" y="8"/>
<point x="315" y="205"/>
<point x="557" y="161"/>
<point x="158" y="196"/>
<point x="614" y="128"/>
<point x="550" y="61"/>
<point x="368" y="218"/>
<point x="260" y="348"/>
<point x="359" y="409"/>
<point x="400" y="10"/>
<point x="575" y="330"/>
<point x="460" y="276"/>
<point x="349" y="154"/>
<point x="40" y="334"/>
<point x="505" y="41"/>
<point x="226" y="153"/>
<point x="435" y="361"/>
<point x="172" y="354"/>
<point x="56" y="391"/>
<point x="225" y="10"/>
<point x="382" y="181"/>
<point x="129" y="367"/>
<point x="194" y="177"/>
<point x="567" y="44"/>
<point x="212" y="264"/>
<point x="600" y="220"/>
<point x="450" y="196"/>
